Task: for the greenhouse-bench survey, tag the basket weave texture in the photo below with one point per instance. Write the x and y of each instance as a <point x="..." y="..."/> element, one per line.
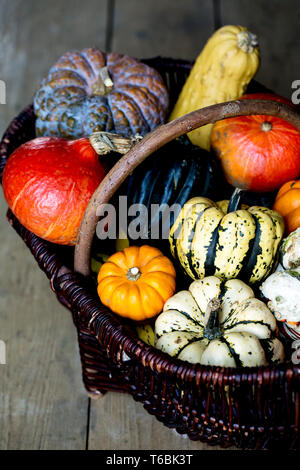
<point x="251" y="407"/>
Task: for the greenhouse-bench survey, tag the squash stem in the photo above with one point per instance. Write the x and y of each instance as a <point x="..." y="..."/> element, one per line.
<point x="106" y="142"/>
<point x="235" y="200"/>
<point x="212" y="329"/>
<point x="247" y="41"/>
<point x="266" y="126"/>
<point x="133" y="274"/>
<point x="104" y="83"/>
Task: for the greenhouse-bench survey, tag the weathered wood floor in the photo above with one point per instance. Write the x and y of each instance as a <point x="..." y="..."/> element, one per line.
<point x="42" y="401"/>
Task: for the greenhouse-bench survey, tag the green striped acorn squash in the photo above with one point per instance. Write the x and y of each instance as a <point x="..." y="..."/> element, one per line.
<point x="218" y="323"/>
<point x="217" y="238"/>
<point x="172" y="175"/>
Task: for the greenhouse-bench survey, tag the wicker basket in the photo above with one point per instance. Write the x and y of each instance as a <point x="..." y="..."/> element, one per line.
<point x="251" y="408"/>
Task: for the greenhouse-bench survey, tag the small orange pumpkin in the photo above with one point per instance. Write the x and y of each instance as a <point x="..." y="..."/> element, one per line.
<point x="136" y="282"/>
<point x="287" y="203"/>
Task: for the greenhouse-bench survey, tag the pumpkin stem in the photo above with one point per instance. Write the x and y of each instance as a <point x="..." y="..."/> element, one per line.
<point x="104" y="84"/>
<point x="212" y="329"/>
<point x="133" y="274"/>
<point x="266" y="126"/>
<point x="105" y="142"/>
<point x="235" y="200"/>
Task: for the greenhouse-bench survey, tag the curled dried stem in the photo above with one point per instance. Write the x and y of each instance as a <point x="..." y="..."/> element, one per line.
<point x="106" y="142"/>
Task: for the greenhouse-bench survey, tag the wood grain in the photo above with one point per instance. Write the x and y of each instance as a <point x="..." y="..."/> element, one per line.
<point x="34" y="34"/>
<point x="118" y="422"/>
<point x="43" y="404"/>
<point x="168" y="28"/>
<point x="42" y="401"/>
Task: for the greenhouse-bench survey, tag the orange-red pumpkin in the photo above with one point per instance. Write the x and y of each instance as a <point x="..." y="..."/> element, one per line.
<point x="48" y="183"/>
<point x="258" y="153"/>
<point x="136" y="282"/>
<point x="287" y="203"/>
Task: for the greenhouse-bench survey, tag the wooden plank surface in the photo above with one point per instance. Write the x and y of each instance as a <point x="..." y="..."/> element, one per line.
<point x="42" y="401"/>
<point x="43" y="404"/>
<point x="118" y="422"/>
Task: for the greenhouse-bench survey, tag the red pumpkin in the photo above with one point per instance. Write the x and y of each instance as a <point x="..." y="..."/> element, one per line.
<point x="48" y="182"/>
<point x="258" y="153"/>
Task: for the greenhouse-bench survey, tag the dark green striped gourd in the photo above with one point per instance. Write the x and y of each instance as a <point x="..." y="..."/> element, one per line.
<point x="216" y="238"/>
<point x="218" y="323"/>
<point x="171" y="176"/>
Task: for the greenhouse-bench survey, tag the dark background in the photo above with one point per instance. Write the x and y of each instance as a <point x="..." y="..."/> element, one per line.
<point x="42" y="402"/>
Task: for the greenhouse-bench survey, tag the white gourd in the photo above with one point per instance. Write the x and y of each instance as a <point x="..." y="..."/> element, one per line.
<point x="282" y="288"/>
<point x="218" y="323"/>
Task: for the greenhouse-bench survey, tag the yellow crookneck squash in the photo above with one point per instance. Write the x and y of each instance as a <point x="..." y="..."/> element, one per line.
<point x="221" y="73"/>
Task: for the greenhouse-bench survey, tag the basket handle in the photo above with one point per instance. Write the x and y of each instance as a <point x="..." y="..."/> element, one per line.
<point x="152" y="142"/>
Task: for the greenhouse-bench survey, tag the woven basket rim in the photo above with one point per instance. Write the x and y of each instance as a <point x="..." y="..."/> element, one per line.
<point x="111" y="326"/>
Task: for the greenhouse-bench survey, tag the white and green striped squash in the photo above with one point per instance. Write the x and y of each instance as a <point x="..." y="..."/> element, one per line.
<point x="218" y="323"/>
<point x="208" y="239"/>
